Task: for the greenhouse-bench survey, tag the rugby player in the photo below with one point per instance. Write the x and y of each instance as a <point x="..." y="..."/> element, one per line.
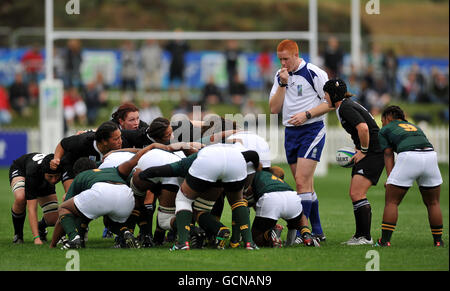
<point x="89" y="144"/>
<point x="275" y="199"/>
<point x="416" y="161"/>
<point x="95" y="193"/>
<point x="368" y="159"/>
<point x="201" y="175"/>
<point x="32" y="182"/>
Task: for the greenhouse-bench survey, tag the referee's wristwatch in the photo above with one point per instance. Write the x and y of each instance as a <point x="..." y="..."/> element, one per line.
<point x="308" y="115"/>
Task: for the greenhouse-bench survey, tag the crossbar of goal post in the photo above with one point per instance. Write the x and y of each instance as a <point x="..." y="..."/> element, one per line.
<point x="51" y="35"/>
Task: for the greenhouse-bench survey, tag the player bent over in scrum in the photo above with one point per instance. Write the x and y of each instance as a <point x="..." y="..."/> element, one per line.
<point x="275" y="199"/>
<point x="95" y="193"/>
<point x="217" y="163"/>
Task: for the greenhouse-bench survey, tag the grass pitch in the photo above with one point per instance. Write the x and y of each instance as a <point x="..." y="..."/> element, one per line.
<point x="412" y="244"/>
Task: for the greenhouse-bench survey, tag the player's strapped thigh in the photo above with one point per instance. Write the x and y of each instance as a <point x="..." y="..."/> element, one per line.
<point x="49" y="207"/>
<point x="165" y="216"/>
<point x="18" y="184"/>
<point x="137" y="192"/>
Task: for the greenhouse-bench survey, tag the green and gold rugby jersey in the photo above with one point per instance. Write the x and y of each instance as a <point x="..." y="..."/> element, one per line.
<point x="402" y="136"/>
<point x="181" y="168"/>
<point x="86" y="179"/>
<point x="265" y="182"/>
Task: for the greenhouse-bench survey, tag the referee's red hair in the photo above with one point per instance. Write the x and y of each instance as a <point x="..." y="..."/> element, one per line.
<point x="288" y="45"/>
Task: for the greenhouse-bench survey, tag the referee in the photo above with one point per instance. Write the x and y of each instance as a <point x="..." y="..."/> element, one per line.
<point x="368" y="160"/>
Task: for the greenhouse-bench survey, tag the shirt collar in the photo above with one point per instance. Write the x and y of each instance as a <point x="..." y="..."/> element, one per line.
<point x="300" y="66"/>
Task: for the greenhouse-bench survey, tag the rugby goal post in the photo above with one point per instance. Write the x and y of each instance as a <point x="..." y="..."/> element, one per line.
<point x="51" y="35"/>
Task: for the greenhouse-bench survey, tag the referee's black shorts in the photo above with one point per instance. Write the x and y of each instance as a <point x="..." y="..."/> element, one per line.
<point x="370" y="167"/>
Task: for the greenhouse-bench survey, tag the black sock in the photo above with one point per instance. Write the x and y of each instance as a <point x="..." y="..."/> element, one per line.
<point x="18" y="220"/>
<point x="363" y="218"/>
<point x="387" y="229"/>
<point x="42" y="225"/>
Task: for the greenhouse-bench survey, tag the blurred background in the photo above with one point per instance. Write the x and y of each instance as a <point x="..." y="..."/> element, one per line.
<point x="404" y="60"/>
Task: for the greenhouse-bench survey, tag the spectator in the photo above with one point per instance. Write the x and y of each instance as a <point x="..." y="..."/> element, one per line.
<point x="149" y="111"/>
<point x="151" y="56"/>
<point x="58" y="64"/>
<point x="5" y="115"/>
<point x="211" y="94"/>
<point x="413" y="87"/>
<point x="94" y="100"/>
<point x="266" y="70"/>
<point x="177" y="49"/>
<point x="19" y="96"/>
<point x="74" y="107"/>
<point x="232" y="52"/>
<point x="333" y="57"/>
<point x="439" y="89"/>
<point x="238" y="91"/>
<point x="368" y="96"/>
<point x="390" y="65"/>
<point x="129" y="62"/>
<point x="32" y="62"/>
<point x="73" y="64"/>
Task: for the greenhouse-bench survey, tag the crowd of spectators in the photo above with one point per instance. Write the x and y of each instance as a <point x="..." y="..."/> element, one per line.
<point x="374" y="86"/>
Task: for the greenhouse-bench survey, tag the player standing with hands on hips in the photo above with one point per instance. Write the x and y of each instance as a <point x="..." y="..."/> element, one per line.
<point x="297" y="92"/>
<point x="368" y="159"/>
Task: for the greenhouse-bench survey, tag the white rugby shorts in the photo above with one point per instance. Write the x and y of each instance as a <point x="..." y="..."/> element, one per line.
<point x="415" y="166"/>
<point x="114" y="200"/>
<point x="219" y="162"/>
<point x="115" y="159"/>
<point x="157" y="157"/>
<point x="276" y="205"/>
<point x="252" y="141"/>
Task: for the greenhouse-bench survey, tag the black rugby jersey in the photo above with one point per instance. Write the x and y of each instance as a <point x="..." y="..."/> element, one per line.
<point x="350" y="114"/>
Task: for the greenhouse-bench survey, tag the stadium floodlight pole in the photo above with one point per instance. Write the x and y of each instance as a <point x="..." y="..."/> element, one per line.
<point x="356" y="34"/>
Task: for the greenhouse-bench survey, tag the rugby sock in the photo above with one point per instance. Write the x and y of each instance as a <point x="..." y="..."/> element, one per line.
<point x="183" y="222"/>
<point x="387" y="228"/>
<point x="314" y="217"/>
<point x="363" y="218"/>
<point x="242" y="219"/>
<point x="18" y="220"/>
<point x="69" y="224"/>
<point x="133" y="219"/>
<point x="209" y="223"/>
<point x="436" y="231"/>
<point x="42" y="225"/>
<point x="306" y="204"/>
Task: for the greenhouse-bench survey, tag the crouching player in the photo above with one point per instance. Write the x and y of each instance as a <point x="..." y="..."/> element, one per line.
<point x="95" y="193"/>
<point x="32" y="181"/>
<point x="275" y="199"/>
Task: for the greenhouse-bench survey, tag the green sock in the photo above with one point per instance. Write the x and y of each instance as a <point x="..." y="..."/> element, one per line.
<point x="69" y="223"/>
<point x="241" y="216"/>
<point x="183" y="222"/>
<point x="387" y="229"/>
<point x="209" y="223"/>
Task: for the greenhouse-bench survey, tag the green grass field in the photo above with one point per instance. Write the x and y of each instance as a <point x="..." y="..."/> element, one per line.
<point x="412" y="245"/>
